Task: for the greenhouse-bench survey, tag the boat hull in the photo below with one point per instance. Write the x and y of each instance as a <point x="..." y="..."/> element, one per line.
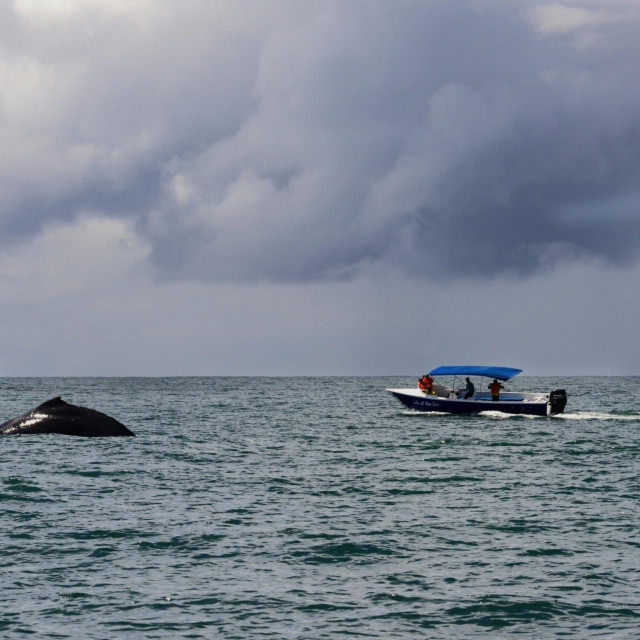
<point x="432" y="403"/>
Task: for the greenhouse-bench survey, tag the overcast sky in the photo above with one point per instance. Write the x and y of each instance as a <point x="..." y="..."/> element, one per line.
<point x="286" y="187"/>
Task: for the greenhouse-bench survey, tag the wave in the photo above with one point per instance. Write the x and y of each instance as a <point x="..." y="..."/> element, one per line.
<point x="593" y="415"/>
<point x="500" y="415"/>
<point x="427" y="414"/>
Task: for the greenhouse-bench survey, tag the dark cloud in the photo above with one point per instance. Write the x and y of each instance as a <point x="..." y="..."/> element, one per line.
<point x="288" y="141"/>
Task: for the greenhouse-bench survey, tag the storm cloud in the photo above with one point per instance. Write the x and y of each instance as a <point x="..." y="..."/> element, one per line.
<point x="245" y="141"/>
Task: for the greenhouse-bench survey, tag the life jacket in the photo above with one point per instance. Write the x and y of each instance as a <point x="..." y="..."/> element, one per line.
<point x="495" y="388"/>
<point x="425" y="383"/>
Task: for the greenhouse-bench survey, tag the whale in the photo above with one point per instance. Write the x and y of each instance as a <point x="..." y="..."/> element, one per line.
<point x="58" y="416"/>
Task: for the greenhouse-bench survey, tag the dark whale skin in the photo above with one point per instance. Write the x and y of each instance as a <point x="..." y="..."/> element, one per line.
<point x="57" y="416"/>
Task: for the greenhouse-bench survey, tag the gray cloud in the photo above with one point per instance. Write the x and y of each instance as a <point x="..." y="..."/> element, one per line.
<point x="290" y="141"/>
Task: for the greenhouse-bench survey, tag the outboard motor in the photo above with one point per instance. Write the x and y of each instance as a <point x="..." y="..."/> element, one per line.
<point x="557" y="401"/>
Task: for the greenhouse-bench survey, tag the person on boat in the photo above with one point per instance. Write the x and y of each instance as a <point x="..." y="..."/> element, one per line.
<point x="495" y="387"/>
<point x="470" y="389"/>
<point x="426" y="384"/>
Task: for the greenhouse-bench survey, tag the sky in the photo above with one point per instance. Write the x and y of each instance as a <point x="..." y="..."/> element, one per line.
<point x="325" y="187"/>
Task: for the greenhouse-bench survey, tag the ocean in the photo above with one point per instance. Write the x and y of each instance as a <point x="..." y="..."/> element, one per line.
<point x="320" y="508"/>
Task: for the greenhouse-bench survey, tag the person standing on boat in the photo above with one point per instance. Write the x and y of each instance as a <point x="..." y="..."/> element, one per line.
<point x="495" y="387"/>
<point x="470" y="390"/>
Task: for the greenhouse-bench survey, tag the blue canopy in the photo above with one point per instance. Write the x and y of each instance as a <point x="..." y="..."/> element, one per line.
<point x="500" y="373"/>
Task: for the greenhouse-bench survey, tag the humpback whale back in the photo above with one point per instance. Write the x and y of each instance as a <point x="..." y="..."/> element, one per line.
<point x="58" y="416"/>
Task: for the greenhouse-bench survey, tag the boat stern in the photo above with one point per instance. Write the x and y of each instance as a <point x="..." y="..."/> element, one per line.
<point x="557" y="401"/>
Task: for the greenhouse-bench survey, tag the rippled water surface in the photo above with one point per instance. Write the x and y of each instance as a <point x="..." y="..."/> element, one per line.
<point x="320" y="508"/>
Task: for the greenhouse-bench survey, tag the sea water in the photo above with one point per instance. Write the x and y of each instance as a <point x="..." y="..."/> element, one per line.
<point x="320" y="508"/>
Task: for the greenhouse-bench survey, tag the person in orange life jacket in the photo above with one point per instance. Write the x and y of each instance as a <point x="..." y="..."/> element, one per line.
<point x="426" y="383"/>
<point x="495" y="387"/>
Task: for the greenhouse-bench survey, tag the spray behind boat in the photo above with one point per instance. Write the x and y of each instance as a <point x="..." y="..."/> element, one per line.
<point x="557" y="401"/>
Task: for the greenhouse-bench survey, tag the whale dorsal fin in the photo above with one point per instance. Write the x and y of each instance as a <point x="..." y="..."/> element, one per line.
<point x="50" y="404"/>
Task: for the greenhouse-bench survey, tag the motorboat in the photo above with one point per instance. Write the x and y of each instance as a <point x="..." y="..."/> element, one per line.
<point x="449" y="398"/>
